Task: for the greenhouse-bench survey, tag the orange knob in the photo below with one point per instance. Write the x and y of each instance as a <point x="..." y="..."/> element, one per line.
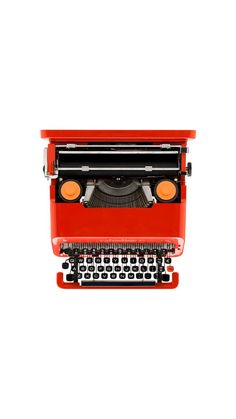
<point x="70" y="190"/>
<point x="166" y="190"/>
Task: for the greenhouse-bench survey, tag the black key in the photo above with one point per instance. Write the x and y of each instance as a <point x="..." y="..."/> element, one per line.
<point x="126" y="268"/>
<point x="98" y="260"/>
<point x="95" y="275"/>
<point x="82" y="268"/>
<point x="73" y="268"/>
<point x="108" y="268"/>
<point x="65" y="265"/>
<point x="80" y="260"/>
<point x="117" y="268"/>
<point x="85" y="251"/>
<point x="141" y="260"/>
<point x="113" y="275"/>
<point x="164" y="252"/>
<point x="131" y="276"/>
<point x="152" y="268"/>
<point x="106" y="260"/>
<point x="115" y="260"/>
<point x="91" y="268"/>
<point x="165" y="277"/>
<point x="157" y="276"/>
<point x="150" y="260"/>
<point x="159" y="261"/>
<point x="168" y="260"/>
<point x="100" y="268"/>
<point x="79" y="275"/>
<point x="161" y="268"/>
<point x="148" y="276"/>
<point x="139" y="275"/>
<point x="93" y="251"/>
<point x="111" y="251"/>
<point x="89" y="260"/>
<point x="71" y="260"/>
<point x="135" y="268"/>
<point x="120" y="251"/>
<point x="124" y="260"/>
<point x="133" y="260"/>
<point x="143" y="268"/>
<point x="87" y="275"/>
<point x="104" y="275"/>
<point x="122" y="276"/>
<point x="70" y="277"/>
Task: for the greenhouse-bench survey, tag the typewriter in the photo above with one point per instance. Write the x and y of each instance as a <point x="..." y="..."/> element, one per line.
<point x="118" y="201"/>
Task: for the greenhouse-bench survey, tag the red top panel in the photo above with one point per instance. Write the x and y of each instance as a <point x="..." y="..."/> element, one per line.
<point x="60" y="136"/>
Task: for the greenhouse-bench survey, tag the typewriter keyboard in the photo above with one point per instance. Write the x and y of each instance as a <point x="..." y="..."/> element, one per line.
<point x="141" y="266"/>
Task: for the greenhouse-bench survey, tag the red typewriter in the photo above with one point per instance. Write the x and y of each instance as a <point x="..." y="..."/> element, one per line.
<point x="118" y="201"/>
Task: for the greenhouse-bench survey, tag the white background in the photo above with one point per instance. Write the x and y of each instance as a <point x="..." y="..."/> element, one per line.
<point x="117" y="354"/>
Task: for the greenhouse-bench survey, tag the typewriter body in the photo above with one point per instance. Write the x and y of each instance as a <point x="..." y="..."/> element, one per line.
<point x="118" y="205"/>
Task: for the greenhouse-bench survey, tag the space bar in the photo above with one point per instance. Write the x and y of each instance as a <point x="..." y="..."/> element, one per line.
<point x="117" y="283"/>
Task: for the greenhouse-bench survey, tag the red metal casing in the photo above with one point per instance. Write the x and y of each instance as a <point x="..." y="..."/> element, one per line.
<point x="161" y="223"/>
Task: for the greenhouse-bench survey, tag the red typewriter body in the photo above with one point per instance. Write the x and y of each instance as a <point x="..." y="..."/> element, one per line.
<point x="117" y="196"/>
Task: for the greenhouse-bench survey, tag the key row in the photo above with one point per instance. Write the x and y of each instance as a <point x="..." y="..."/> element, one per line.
<point x="96" y="276"/>
<point x="123" y="260"/>
<point x="118" y="268"/>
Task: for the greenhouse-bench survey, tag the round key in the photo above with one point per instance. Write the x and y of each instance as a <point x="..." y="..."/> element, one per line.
<point x="152" y="268"/>
<point x="65" y="265"/>
<point x="73" y="268"/>
<point x="168" y="260"/>
<point x="100" y="268"/>
<point x="117" y="268"/>
<point x="82" y="268"/>
<point x="159" y="261"/>
<point x="98" y="260"/>
<point x="113" y="275"/>
<point x="87" y="275"/>
<point x="124" y="260"/>
<point x="126" y="268"/>
<point x="115" y="260"/>
<point x="150" y="260"/>
<point x="93" y="251"/>
<point x="133" y="260"/>
<point x="71" y="260"/>
<point x="139" y="275"/>
<point x="104" y="275"/>
<point x="131" y="275"/>
<point x="170" y="268"/>
<point x="80" y="260"/>
<point x="89" y="260"/>
<point x="108" y="268"/>
<point x="148" y="276"/>
<point x="141" y="260"/>
<point x="120" y="251"/>
<point x="135" y="268"/>
<point x="122" y="276"/>
<point x="91" y="268"/>
<point x="161" y="268"/>
<point x="95" y="275"/>
<point x="69" y="277"/>
<point x="79" y="275"/>
<point x="143" y="268"/>
<point x="106" y="260"/>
